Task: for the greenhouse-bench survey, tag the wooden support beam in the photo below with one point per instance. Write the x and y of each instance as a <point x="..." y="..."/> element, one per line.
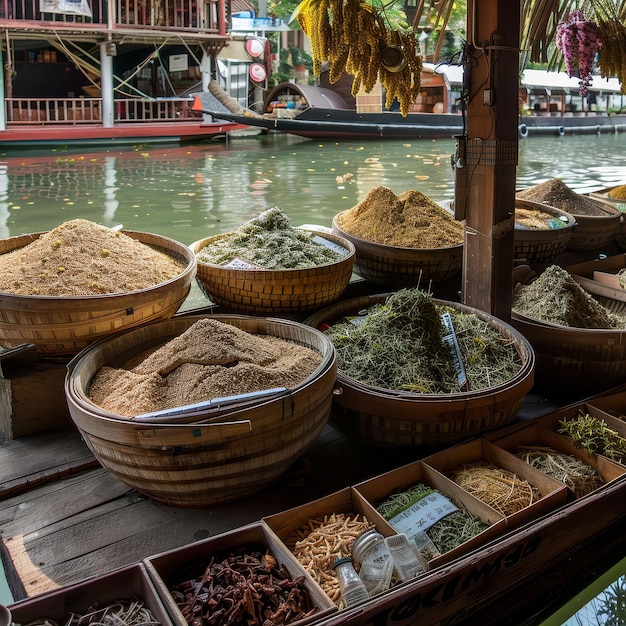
<point x="486" y="168"/>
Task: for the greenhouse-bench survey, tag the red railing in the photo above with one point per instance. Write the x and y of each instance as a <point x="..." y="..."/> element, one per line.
<point x="208" y="15"/>
<point x="87" y="110"/>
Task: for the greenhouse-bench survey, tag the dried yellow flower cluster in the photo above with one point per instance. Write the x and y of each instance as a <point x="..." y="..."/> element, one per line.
<point x="351" y="37"/>
<point x="612" y="59"/>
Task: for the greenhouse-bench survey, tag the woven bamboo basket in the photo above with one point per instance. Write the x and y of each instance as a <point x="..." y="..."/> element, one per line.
<point x="540" y="246"/>
<point x="396" y="267"/>
<point x="215" y="458"/>
<point x="262" y="291"/>
<point x="599" y="278"/>
<point x="64" y="325"/>
<point x="620" y="205"/>
<point x="387" y="418"/>
<point x="587" y="360"/>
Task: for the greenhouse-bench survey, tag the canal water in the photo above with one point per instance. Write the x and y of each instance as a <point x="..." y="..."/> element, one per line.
<point x="192" y="192"/>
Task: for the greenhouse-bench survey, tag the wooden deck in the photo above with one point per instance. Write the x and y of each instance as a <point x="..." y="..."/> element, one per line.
<point x="64" y="519"/>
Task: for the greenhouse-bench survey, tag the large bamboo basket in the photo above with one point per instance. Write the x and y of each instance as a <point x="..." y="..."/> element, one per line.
<point x="620" y="205"/>
<point x="599" y="278"/>
<point x="540" y="246"/>
<point x="396" y="267"/>
<point x="587" y="360"/>
<point x="215" y="458"/>
<point x="265" y="292"/>
<point x="388" y="418"/>
<point x="64" y="325"/>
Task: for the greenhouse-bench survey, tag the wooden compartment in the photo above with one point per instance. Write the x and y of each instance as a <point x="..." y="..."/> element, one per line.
<point x="552" y="493"/>
<point x="121" y="584"/>
<point x="377" y="489"/>
<point x="170" y="568"/>
<point x="538" y="434"/>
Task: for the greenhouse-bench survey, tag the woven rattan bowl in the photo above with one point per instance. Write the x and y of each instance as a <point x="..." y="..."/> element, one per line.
<point x="262" y="292"/>
<point x="396" y="267"/>
<point x="209" y="458"/>
<point x="540" y="246"/>
<point x="586" y="360"/>
<point x="64" y="325"/>
<point x="620" y="205"/>
<point x="387" y="418"/>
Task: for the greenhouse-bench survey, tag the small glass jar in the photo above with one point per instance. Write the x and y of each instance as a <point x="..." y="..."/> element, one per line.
<point x="406" y="561"/>
<point x="352" y="588"/>
<point x="370" y="546"/>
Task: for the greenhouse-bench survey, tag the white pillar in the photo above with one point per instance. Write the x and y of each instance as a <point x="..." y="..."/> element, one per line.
<point x="106" y="84"/>
<point x="3" y="118"/>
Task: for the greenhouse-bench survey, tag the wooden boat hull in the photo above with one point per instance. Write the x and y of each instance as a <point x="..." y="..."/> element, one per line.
<point x="320" y="123"/>
<point x="122" y="134"/>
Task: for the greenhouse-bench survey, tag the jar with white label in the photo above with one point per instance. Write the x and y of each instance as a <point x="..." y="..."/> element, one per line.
<point x="406" y="561"/>
<point x="352" y="588"/>
<point x="376" y="567"/>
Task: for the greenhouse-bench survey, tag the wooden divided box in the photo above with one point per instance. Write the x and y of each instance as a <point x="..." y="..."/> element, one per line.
<point x="376" y="490"/>
<point x="551" y="493"/>
<point x="122" y="585"/>
<point x="299" y="521"/>
<point x="175" y="567"/>
<point x="538" y="437"/>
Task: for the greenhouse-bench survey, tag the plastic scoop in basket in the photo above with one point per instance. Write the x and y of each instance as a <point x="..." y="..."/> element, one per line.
<point x="200" y="409"/>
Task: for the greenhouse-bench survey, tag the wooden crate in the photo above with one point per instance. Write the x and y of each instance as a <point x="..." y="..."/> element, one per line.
<point x="121" y="584"/>
<point x="552" y="493"/>
<point x="165" y="569"/>
<point x="24" y="381"/>
<point x="377" y="489"/>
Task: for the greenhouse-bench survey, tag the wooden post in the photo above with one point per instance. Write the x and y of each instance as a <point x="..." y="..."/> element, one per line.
<point x="486" y="168"/>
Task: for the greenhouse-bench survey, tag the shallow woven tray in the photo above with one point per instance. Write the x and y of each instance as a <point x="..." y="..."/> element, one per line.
<point x="214" y="458"/>
<point x="392" y="418"/>
<point x="262" y="291"/>
<point x="64" y="325"/>
<point x="540" y="246"/>
<point x="397" y="267"/>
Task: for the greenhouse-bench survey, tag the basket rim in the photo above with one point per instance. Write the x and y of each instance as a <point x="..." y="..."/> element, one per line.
<point x="525" y="370"/>
<point x="81" y="399"/>
<point x="185" y="251"/>
<point x="369" y="243"/>
<point x="198" y="245"/>
<point x="520" y="317"/>
<point x="546" y="208"/>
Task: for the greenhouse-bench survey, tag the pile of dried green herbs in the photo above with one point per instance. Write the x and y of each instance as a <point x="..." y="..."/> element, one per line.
<point x="555" y="297"/>
<point x="398" y="345"/>
<point x="449" y="532"/>
<point x="595" y="436"/>
<point x="271" y="242"/>
<point x="566" y="468"/>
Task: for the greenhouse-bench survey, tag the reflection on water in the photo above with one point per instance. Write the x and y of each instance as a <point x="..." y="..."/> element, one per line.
<point x="189" y="193"/>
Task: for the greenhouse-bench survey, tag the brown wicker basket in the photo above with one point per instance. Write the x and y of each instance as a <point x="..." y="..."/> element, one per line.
<point x="64" y="325"/>
<point x="397" y="267"/>
<point x="620" y="205"/>
<point x="611" y="296"/>
<point x="587" y="360"/>
<point x="540" y="246"/>
<point x="397" y="419"/>
<point x="214" y="458"/>
<point x="262" y="291"/>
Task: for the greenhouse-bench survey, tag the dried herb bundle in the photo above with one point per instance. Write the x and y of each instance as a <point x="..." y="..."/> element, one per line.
<point x="566" y="468"/>
<point x="594" y="435"/>
<point x="449" y="532"/>
<point x="399" y="345"/>
<point x="269" y="240"/>
<point x="555" y="297"/>
<point x="131" y="612"/>
<point x="502" y="490"/>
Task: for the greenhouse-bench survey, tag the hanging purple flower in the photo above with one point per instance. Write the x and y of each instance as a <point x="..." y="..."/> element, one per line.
<point x="577" y="39"/>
